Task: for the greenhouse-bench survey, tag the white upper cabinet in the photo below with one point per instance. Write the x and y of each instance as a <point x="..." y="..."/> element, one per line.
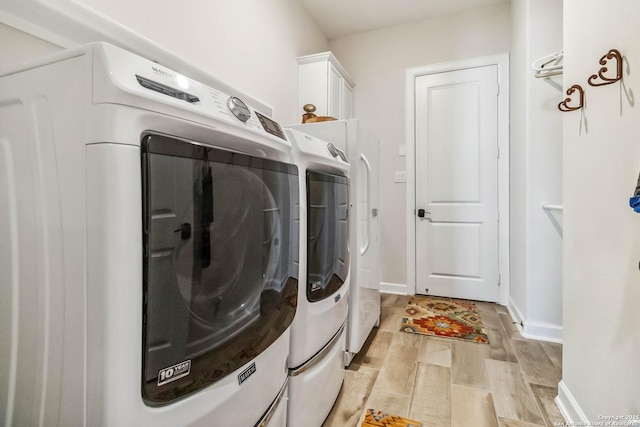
<point x="324" y="83"/>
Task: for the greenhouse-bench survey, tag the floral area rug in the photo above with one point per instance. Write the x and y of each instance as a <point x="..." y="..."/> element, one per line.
<point x="443" y="317"/>
<point x="375" y="418"/>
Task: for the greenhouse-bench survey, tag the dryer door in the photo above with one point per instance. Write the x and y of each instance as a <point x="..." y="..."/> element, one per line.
<point x="327" y="234"/>
<point x="220" y="262"/>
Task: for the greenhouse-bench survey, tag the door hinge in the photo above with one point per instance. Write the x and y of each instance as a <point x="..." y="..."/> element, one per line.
<point x="499" y="279"/>
<point x="498" y="156"/>
<point x="498" y="216"/>
<point x="497" y="90"/>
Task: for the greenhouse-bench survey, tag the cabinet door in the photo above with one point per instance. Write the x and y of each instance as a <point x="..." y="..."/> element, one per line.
<point x="347" y="101"/>
<point x="335" y="89"/>
<point x="313" y="87"/>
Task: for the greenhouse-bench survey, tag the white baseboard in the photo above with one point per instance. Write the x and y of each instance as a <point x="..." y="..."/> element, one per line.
<point x="534" y="330"/>
<point x="542" y="332"/>
<point x="395" y="288"/>
<point x="569" y="407"/>
<point x="515" y="313"/>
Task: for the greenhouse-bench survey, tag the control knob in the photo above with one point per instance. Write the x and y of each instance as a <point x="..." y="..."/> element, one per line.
<point x="239" y="109"/>
<point x="332" y="149"/>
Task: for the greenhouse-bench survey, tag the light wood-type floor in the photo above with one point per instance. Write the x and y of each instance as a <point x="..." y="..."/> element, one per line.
<point x="441" y="382"/>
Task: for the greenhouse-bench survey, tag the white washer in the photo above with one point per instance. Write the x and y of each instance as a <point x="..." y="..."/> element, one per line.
<point x="363" y="151"/>
<point x="318" y="336"/>
<point x="140" y="210"/>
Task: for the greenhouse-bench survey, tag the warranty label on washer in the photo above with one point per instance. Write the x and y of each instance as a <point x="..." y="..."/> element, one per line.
<point x="174" y="372"/>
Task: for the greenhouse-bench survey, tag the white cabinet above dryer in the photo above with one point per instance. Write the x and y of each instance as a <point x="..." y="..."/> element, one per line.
<point x="323" y="82"/>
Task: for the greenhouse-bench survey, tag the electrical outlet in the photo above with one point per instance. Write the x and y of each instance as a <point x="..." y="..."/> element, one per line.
<point x="401" y="176"/>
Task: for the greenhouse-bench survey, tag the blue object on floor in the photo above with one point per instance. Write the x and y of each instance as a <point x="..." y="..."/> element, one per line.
<point x="634" y="201"/>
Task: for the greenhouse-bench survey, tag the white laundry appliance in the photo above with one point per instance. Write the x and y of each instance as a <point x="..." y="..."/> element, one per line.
<point x="149" y="251"/>
<point x="363" y="150"/>
<point x="318" y="336"/>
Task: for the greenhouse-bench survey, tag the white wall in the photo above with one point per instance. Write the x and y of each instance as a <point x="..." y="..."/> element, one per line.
<point x="518" y="157"/>
<point x="17" y="47"/>
<point x="601" y="352"/>
<point x="536" y="171"/>
<point x="377" y="62"/>
<point x="251" y="45"/>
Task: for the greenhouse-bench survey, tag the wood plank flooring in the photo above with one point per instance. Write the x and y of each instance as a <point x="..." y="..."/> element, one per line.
<point x="441" y="382"/>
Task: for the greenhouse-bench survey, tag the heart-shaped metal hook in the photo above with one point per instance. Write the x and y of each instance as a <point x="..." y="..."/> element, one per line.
<point x="613" y="53"/>
<point x="564" y="105"/>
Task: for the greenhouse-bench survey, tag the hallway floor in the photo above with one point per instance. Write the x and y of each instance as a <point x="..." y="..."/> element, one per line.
<point x="510" y="382"/>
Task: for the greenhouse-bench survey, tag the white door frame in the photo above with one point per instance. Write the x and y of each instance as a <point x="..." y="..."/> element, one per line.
<point x="502" y="62"/>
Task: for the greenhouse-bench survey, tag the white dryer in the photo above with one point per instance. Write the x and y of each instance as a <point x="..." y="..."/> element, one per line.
<point x="318" y="336"/>
<point x="362" y="149"/>
<point x="149" y="257"/>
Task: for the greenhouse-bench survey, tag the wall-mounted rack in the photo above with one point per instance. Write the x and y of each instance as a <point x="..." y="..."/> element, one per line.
<point x="599" y="79"/>
<point x="549" y="65"/>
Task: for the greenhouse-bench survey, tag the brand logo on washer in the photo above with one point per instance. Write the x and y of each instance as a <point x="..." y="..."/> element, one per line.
<point x="244" y="375"/>
<point x="163" y="73"/>
<point x="172" y="373"/>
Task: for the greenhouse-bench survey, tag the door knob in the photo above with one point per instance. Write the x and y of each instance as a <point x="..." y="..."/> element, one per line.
<point x="185" y="231"/>
<point x="422" y="213"/>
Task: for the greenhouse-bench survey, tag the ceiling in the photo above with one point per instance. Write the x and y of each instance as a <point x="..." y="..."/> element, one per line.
<point x="338" y="18"/>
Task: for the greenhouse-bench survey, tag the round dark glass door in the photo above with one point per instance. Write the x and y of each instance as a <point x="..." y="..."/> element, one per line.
<point x="327" y="234"/>
<point x="221" y="268"/>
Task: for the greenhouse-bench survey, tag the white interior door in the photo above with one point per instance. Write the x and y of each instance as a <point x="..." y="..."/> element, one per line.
<point x="457" y="216"/>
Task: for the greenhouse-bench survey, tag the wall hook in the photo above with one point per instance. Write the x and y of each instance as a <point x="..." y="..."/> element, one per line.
<point x="613" y="53"/>
<point x="564" y="105"/>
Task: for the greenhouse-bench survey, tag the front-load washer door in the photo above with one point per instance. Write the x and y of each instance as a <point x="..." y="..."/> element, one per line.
<point x="327" y="234"/>
<point x="221" y="234"/>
